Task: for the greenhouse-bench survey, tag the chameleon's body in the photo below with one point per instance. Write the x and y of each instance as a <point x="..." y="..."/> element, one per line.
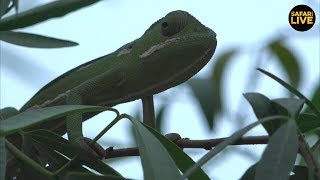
<point x="171" y="51"/>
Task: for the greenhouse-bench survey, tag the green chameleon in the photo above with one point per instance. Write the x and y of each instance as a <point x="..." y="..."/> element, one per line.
<point x="171" y="51"/>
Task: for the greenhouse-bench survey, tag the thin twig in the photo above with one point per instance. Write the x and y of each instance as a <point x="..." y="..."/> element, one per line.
<point x="187" y="143"/>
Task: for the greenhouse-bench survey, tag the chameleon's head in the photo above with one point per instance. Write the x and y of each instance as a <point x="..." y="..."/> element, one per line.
<point x="173" y="49"/>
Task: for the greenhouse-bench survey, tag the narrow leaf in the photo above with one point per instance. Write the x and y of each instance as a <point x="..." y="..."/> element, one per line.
<point x="156" y="161"/>
<point x="57" y="142"/>
<point x="160" y="116"/>
<point x="34" y="40"/>
<point x="16" y="5"/>
<point x="278" y="158"/>
<point x="288" y="61"/>
<point x="63" y="146"/>
<point x="301" y="173"/>
<point x="27" y="170"/>
<point x="263" y="107"/>
<point x="4" y="4"/>
<point x="182" y="160"/>
<point x="292" y="90"/>
<point x="86" y="176"/>
<point x="307" y="122"/>
<point x="220" y="65"/>
<point x="37" y="116"/>
<point x="233" y="138"/>
<point x="2" y="159"/>
<point x="293" y="105"/>
<point x="52" y="159"/>
<point x="42" y="13"/>
<point x="315" y="99"/>
<point x="250" y="173"/>
<point x="207" y="98"/>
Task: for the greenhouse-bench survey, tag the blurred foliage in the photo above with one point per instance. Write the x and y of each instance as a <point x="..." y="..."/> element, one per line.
<point x="208" y="92"/>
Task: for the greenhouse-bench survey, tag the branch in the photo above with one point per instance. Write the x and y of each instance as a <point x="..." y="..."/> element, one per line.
<point x="187" y="143"/>
<point x="305" y="152"/>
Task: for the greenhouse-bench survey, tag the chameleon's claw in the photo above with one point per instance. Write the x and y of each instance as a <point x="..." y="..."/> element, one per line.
<point x="95" y="150"/>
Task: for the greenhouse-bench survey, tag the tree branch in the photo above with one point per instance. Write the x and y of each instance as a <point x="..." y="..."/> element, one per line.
<point x="187" y="143"/>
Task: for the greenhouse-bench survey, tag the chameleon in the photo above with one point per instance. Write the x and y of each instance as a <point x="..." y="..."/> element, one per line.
<point x="171" y="51"/>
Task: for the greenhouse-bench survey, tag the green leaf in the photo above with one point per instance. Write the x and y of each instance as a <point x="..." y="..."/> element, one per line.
<point x="52" y="159"/>
<point x="34" y="40"/>
<point x="208" y="92"/>
<point x="204" y="93"/>
<point x="57" y="142"/>
<point x="221" y="63"/>
<point x="264" y="107"/>
<point x="160" y="116"/>
<point x="315" y="99"/>
<point x="293" y="105"/>
<point x="300" y="173"/>
<point x="42" y="13"/>
<point x="2" y="158"/>
<point x="279" y="157"/>
<point x="307" y="122"/>
<point x="26" y="159"/>
<point x="63" y="146"/>
<point x="156" y="161"/>
<point x="16" y="5"/>
<point x="292" y="90"/>
<point x="250" y="173"/>
<point x="288" y="61"/>
<point x="28" y="171"/>
<point x="86" y="176"/>
<point x="4" y="4"/>
<point x="230" y="140"/>
<point x="37" y="116"/>
<point x="182" y="160"/>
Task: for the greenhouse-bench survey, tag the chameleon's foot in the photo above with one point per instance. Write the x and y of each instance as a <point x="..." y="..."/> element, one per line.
<point x="95" y="150"/>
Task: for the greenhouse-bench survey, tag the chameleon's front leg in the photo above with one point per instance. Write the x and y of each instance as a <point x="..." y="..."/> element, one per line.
<point x="74" y="124"/>
<point x="89" y="88"/>
<point x="148" y="111"/>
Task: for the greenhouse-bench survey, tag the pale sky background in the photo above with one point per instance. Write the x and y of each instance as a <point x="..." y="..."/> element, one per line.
<point x="107" y="25"/>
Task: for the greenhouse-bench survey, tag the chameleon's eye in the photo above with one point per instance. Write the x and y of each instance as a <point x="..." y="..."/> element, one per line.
<point x="164" y="25"/>
<point x="165" y="28"/>
<point x="171" y="27"/>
